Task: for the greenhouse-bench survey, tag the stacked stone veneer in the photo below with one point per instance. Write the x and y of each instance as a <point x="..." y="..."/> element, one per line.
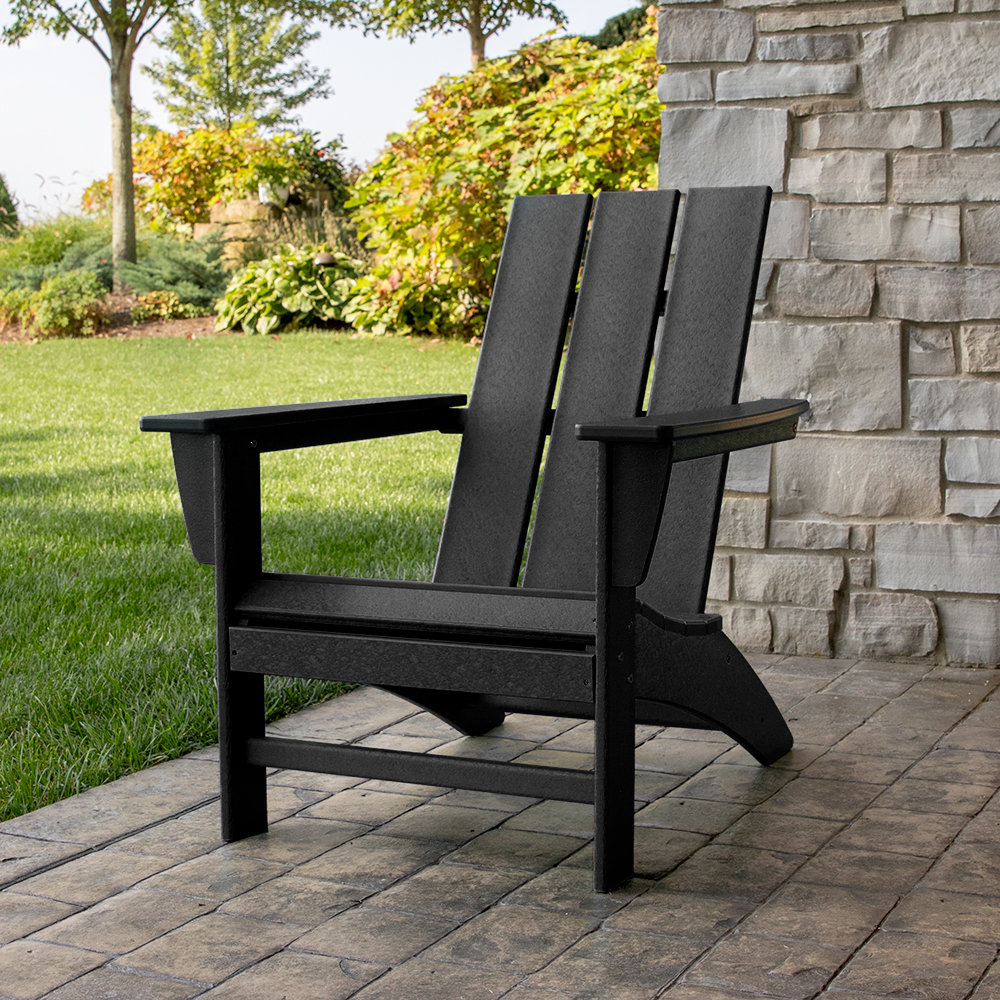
<point x="875" y="532"/>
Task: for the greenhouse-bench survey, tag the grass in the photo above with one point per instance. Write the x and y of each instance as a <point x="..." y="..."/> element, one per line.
<point x="106" y="657"/>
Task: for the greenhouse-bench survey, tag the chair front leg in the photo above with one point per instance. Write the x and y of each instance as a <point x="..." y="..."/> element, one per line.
<point x="236" y="469"/>
<point x="614" y="709"/>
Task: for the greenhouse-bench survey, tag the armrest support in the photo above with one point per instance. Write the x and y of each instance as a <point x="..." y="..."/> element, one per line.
<point x="696" y="433"/>
<point x="296" y="425"/>
<point x="638" y="454"/>
<point x="200" y="439"/>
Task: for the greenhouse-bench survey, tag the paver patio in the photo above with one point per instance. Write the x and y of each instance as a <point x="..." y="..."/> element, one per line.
<point x="866" y="863"/>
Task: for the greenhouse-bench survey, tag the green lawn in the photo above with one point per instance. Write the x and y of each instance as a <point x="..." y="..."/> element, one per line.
<point x="105" y="618"/>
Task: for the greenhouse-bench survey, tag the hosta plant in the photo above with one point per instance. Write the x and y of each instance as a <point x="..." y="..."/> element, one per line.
<point x="289" y="289"/>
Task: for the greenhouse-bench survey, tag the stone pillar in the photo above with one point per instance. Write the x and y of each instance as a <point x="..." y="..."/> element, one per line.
<point x="876" y="532"/>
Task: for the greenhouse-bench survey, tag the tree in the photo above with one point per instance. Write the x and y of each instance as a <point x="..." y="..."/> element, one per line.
<point x="115" y="31"/>
<point x="480" y="18"/>
<point x="235" y="63"/>
<point x="8" y="210"/>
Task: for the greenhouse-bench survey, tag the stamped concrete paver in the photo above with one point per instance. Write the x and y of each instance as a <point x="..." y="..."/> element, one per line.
<point x="865" y="865"/>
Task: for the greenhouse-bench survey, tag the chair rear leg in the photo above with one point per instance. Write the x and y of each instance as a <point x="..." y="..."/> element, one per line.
<point x="465" y="712"/>
<point x="708" y="678"/>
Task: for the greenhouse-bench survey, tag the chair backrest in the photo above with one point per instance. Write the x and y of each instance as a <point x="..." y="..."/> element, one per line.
<point x="604" y="376"/>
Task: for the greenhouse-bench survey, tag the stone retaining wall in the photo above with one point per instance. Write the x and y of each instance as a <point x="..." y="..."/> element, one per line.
<point x="876" y="532"/>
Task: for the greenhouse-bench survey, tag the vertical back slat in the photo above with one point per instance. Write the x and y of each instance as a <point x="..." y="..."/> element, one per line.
<point x="699" y="363"/>
<point x="490" y="504"/>
<point x="604" y="375"/>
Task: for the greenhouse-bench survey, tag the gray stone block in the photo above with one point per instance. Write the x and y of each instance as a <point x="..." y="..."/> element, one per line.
<point x="787" y="229"/>
<point x="814" y="535"/>
<point x="860" y="570"/>
<point x="704" y="35"/>
<point x="981" y="348"/>
<point x="863" y="537"/>
<point x="982" y="234"/>
<point x="807" y="288"/>
<point x="748" y="627"/>
<point x="719" y="579"/>
<point x="932" y="351"/>
<point x="971" y="630"/>
<point x="802" y="631"/>
<point x="951" y="558"/>
<point x="829" y="17"/>
<point x="938" y="177"/>
<point x="760" y="80"/>
<point x="873" y="130"/>
<point x="687" y="85"/>
<point x="925" y="233"/>
<point x="747" y="147"/>
<point x="972" y="501"/>
<point x="859" y="477"/>
<point x="848" y="371"/>
<point x="810" y="581"/>
<point x="929" y="62"/>
<point x="954" y="404"/>
<point x="750" y="470"/>
<point x="914" y="8"/>
<point x="939" y="294"/>
<point x="842" y="176"/>
<point x="883" y="626"/>
<point x="743" y="522"/>
<point x="972" y="460"/>
<point x="808" y="48"/>
<point x="975" y="128"/>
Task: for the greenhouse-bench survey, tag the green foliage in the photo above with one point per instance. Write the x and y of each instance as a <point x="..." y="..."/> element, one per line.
<point x="47" y="241"/>
<point x="8" y="210"/>
<point x="70" y="304"/>
<point x="624" y="27"/>
<point x="191" y="270"/>
<point x="559" y="116"/>
<point x="235" y="63"/>
<point x="288" y="289"/>
<point x="180" y="175"/>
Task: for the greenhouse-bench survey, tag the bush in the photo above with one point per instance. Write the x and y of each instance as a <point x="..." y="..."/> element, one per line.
<point x="288" y="289"/>
<point x="180" y="175"/>
<point x="189" y="269"/>
<point x="46" y="242"/>
<point x="556" y="116"/>
<point x="8" y="210"/>
<point x="161" y="305"/>
<point x="68" y="305"/>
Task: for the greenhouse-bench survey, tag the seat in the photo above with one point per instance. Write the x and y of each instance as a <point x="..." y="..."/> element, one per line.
<point x="603" y="617"/>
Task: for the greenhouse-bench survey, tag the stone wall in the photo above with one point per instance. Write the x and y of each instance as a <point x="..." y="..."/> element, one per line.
<point x="876" y="532"/>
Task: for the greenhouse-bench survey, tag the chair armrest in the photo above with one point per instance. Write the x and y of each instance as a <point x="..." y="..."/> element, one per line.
<point x="696" y="433"/>
<point x="296" y="425"/>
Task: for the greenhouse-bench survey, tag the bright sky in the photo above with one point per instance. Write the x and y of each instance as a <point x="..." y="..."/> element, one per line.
<point x="55" y="132"/>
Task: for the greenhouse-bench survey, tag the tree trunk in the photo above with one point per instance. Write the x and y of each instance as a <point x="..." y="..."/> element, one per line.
<point x="122" y="190"/>
<point x="476" y="35"/>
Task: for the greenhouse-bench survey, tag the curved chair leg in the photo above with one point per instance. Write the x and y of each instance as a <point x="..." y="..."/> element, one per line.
<point x="463" y="712"/>
<point x="708" y="679"/>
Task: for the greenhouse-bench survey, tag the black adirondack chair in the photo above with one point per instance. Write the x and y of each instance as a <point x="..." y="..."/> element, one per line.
<point x="607" y="622"/>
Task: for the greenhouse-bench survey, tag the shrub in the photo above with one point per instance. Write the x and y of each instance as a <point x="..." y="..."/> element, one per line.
<point x="15" y="306"/>
<point x="556" y="116"/>
<point x="68" y="305"/>
<point x="189" y="269"/>
<point x="161" y="305"/>
<point x="47" y="241"/>
<point x="8" y="210"/>
<point x="180" y="175"/>
<point x="288" y="289"/>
